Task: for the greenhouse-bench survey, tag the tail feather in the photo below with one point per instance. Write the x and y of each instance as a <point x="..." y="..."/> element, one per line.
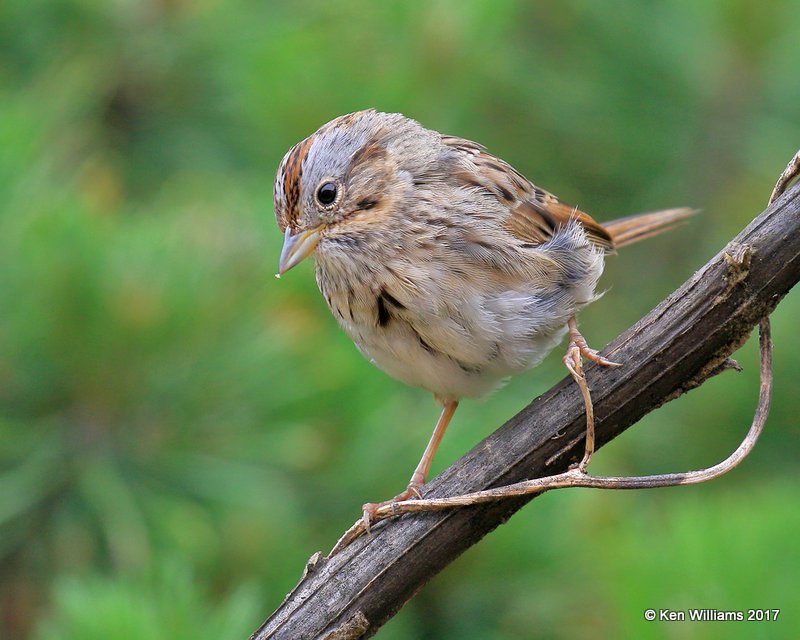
<point x="625" y="231"/>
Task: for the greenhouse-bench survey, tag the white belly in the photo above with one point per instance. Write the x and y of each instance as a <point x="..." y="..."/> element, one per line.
<point x="401" y="354"/>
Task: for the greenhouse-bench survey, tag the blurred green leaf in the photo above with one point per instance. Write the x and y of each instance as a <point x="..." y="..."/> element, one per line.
<point x="169" y="605"/>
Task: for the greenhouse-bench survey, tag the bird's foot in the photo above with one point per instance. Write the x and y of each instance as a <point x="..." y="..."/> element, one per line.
<point x="412" y="492"/>
<point x="577" y="349"/>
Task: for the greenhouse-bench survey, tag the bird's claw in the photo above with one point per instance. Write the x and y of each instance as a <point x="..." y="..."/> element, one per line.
<point x="369" y="510"/>
<point x="578" y="348"/>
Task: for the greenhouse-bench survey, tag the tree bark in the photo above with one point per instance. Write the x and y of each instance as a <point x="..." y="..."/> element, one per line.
<point x="681" y="343"/>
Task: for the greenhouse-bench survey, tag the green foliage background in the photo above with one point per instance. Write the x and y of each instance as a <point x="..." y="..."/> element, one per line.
<point x="179" y="431"/>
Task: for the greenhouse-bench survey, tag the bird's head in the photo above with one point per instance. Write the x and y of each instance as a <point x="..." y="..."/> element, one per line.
<point x="341" y="181"/>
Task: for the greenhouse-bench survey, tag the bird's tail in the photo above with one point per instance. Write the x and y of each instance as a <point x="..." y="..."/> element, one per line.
<point x="630" y="229"/>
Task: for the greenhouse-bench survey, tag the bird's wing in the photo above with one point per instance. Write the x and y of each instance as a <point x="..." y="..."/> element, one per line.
<point x="534" y="214"/>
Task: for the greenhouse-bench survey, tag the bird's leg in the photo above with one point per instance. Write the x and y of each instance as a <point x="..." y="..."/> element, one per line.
<point x="576" y="350"/>
<point x="421" y="472"/>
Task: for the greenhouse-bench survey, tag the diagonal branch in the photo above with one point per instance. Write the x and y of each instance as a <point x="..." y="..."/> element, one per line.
<point x="676" y="347"/>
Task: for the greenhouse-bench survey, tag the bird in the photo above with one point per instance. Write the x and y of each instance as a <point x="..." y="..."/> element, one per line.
<point x="447" y="267"/>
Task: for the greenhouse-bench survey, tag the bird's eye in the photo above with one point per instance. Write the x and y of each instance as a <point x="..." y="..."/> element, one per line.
<point x="326" y="194"/>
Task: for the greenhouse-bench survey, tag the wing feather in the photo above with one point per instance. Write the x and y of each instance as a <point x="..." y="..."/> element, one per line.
<point x="534" y="214"/>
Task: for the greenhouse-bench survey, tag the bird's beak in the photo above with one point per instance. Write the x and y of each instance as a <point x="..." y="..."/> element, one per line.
<point x="297" y="247"/>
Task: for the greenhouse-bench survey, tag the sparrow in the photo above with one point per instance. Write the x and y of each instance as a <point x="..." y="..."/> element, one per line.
<point x="448" y="268"/>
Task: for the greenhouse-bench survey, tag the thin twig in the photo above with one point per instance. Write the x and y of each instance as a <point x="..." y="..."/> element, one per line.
<point x="791" y="171"/>
<point x="577" y="478"/>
